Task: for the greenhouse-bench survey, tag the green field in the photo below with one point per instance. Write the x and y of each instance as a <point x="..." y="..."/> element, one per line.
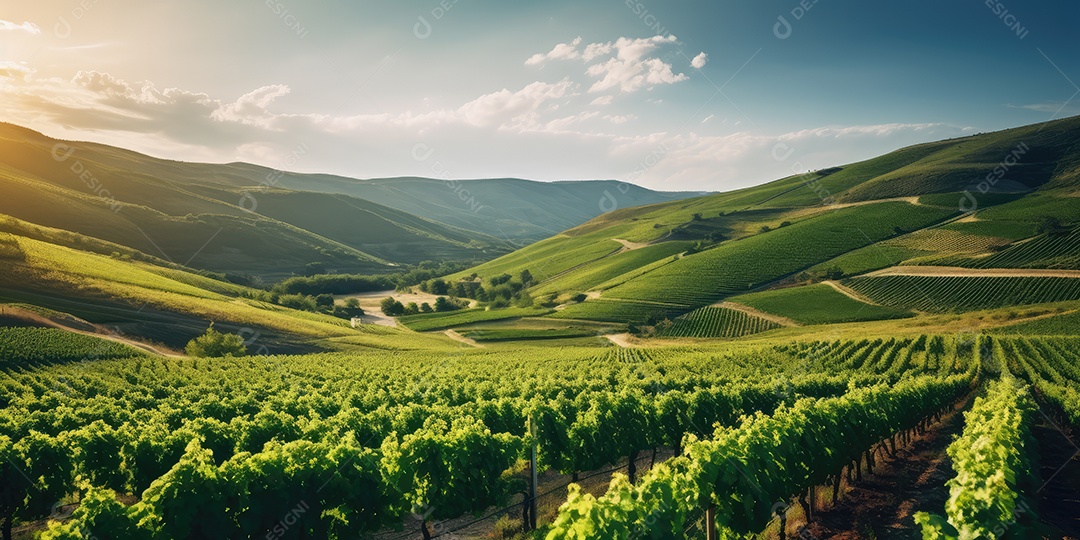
<point x="546" y="258"/>
<point x="385" y="421"/>
<point x="450" y="319"/>
<point x="817" y="304"/>
<point x="525" y="334"/>
<point x="717" y="322"/>
<point x="1058" y="251"/>
<point x="26" y="346"/>
<point x="956" y="294"/>
<point x="617" y="311"/>
<point x="741" y="265"/>
<point x="869" y="258"/>
<point x="592" y="275"/>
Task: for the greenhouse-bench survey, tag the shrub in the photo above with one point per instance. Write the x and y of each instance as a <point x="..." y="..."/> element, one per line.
<point x="214" y="344"/>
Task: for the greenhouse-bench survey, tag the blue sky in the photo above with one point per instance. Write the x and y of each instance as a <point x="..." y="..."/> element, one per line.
<point x="708" y="95"/>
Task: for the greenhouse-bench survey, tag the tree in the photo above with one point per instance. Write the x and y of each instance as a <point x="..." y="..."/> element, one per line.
<point x="214" y="344"/>
<point x="1049" y="225"/>
<point x="391" y="307"/>
<point x="696" y="217"/>
<point x="425" y="308"/>
<point x="442" y="303"/>
<point x="526" y="277"/>
<point x="439" y="286"/>
<point x="834" y="273"/>
<point x="411" y="308"/>
<point x="324" y="301"/>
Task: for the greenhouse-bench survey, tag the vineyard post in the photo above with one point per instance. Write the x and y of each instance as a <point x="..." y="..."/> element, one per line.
<point x="532" y="470"/>
<point x="710" y="523"/>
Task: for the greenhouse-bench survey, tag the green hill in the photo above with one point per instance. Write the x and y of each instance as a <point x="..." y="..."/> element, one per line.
<point x="145" y="298"/>
<point x="243" y="218"/>
<point x="982" y="201"/>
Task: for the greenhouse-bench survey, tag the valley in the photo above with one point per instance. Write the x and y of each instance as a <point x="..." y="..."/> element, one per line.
<point x="229" y="351"/>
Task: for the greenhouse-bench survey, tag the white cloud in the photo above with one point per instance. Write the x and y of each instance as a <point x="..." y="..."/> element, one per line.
<point x="699" y="61"/>
<point x="619" y="118"/>
<point x="562" y="51"/>
<point x="630" y="76"/>
<point x="708" y="118"/>
<point x="15" y="70"/>
<point x="505" y="108"/>
<point x="24" y="27"/>
<point x="541" y="130"/>
<point x="626" y="69"/>
<point x="253" y="108"/>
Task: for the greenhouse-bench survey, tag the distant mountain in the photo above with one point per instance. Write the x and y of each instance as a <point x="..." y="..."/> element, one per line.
<point x="511" y="209"/>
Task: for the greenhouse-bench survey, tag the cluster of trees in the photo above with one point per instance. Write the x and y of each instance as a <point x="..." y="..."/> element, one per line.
<point x="393" y="308"/>
<point x="317" y="279"/>
<point x="498" y="291"/>
<point x="322" y="303"/>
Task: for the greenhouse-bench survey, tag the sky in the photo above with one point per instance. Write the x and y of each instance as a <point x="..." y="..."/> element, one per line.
<point x="679" y="95"/>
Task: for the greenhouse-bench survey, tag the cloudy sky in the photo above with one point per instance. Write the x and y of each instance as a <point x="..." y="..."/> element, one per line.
<point x="702" y="95"/>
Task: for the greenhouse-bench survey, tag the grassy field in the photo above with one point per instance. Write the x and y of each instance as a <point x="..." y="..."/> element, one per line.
<point x="162" y="304"/>
<point x="526" y="334"/>
<point x="590" y="276"/>
<point x="817" y="304"/>
<point x="617" y="311"/>
<point x="955" y="294"/>
<point x="869" y="258"/>
<point x="717" y="322"/>
<point x="439" y="321"/>
<point x="546" y="258"/>
<point x="1065" y="324"/>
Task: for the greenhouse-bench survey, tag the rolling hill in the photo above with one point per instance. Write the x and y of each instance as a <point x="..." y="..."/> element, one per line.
<point x="1003" y="199"/>
<point x="246" y="219"/>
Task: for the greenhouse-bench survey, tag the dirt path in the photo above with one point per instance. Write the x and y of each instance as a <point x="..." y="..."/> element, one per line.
<point x="882" y="506"/>
<point x="952" y="271"/>
<point x="909" y="200"/>
<point x="79" y="326"/>
<point x="782" y="321"/>
<point x="850" y="293"/>
<point x="630" y="246"/>
<point x="622" y="340"/>
<point x="461" y="339"/>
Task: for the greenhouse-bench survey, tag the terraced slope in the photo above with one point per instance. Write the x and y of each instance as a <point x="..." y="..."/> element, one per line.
<point x="730" y="268"/>
<point x="718" y="322"/>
